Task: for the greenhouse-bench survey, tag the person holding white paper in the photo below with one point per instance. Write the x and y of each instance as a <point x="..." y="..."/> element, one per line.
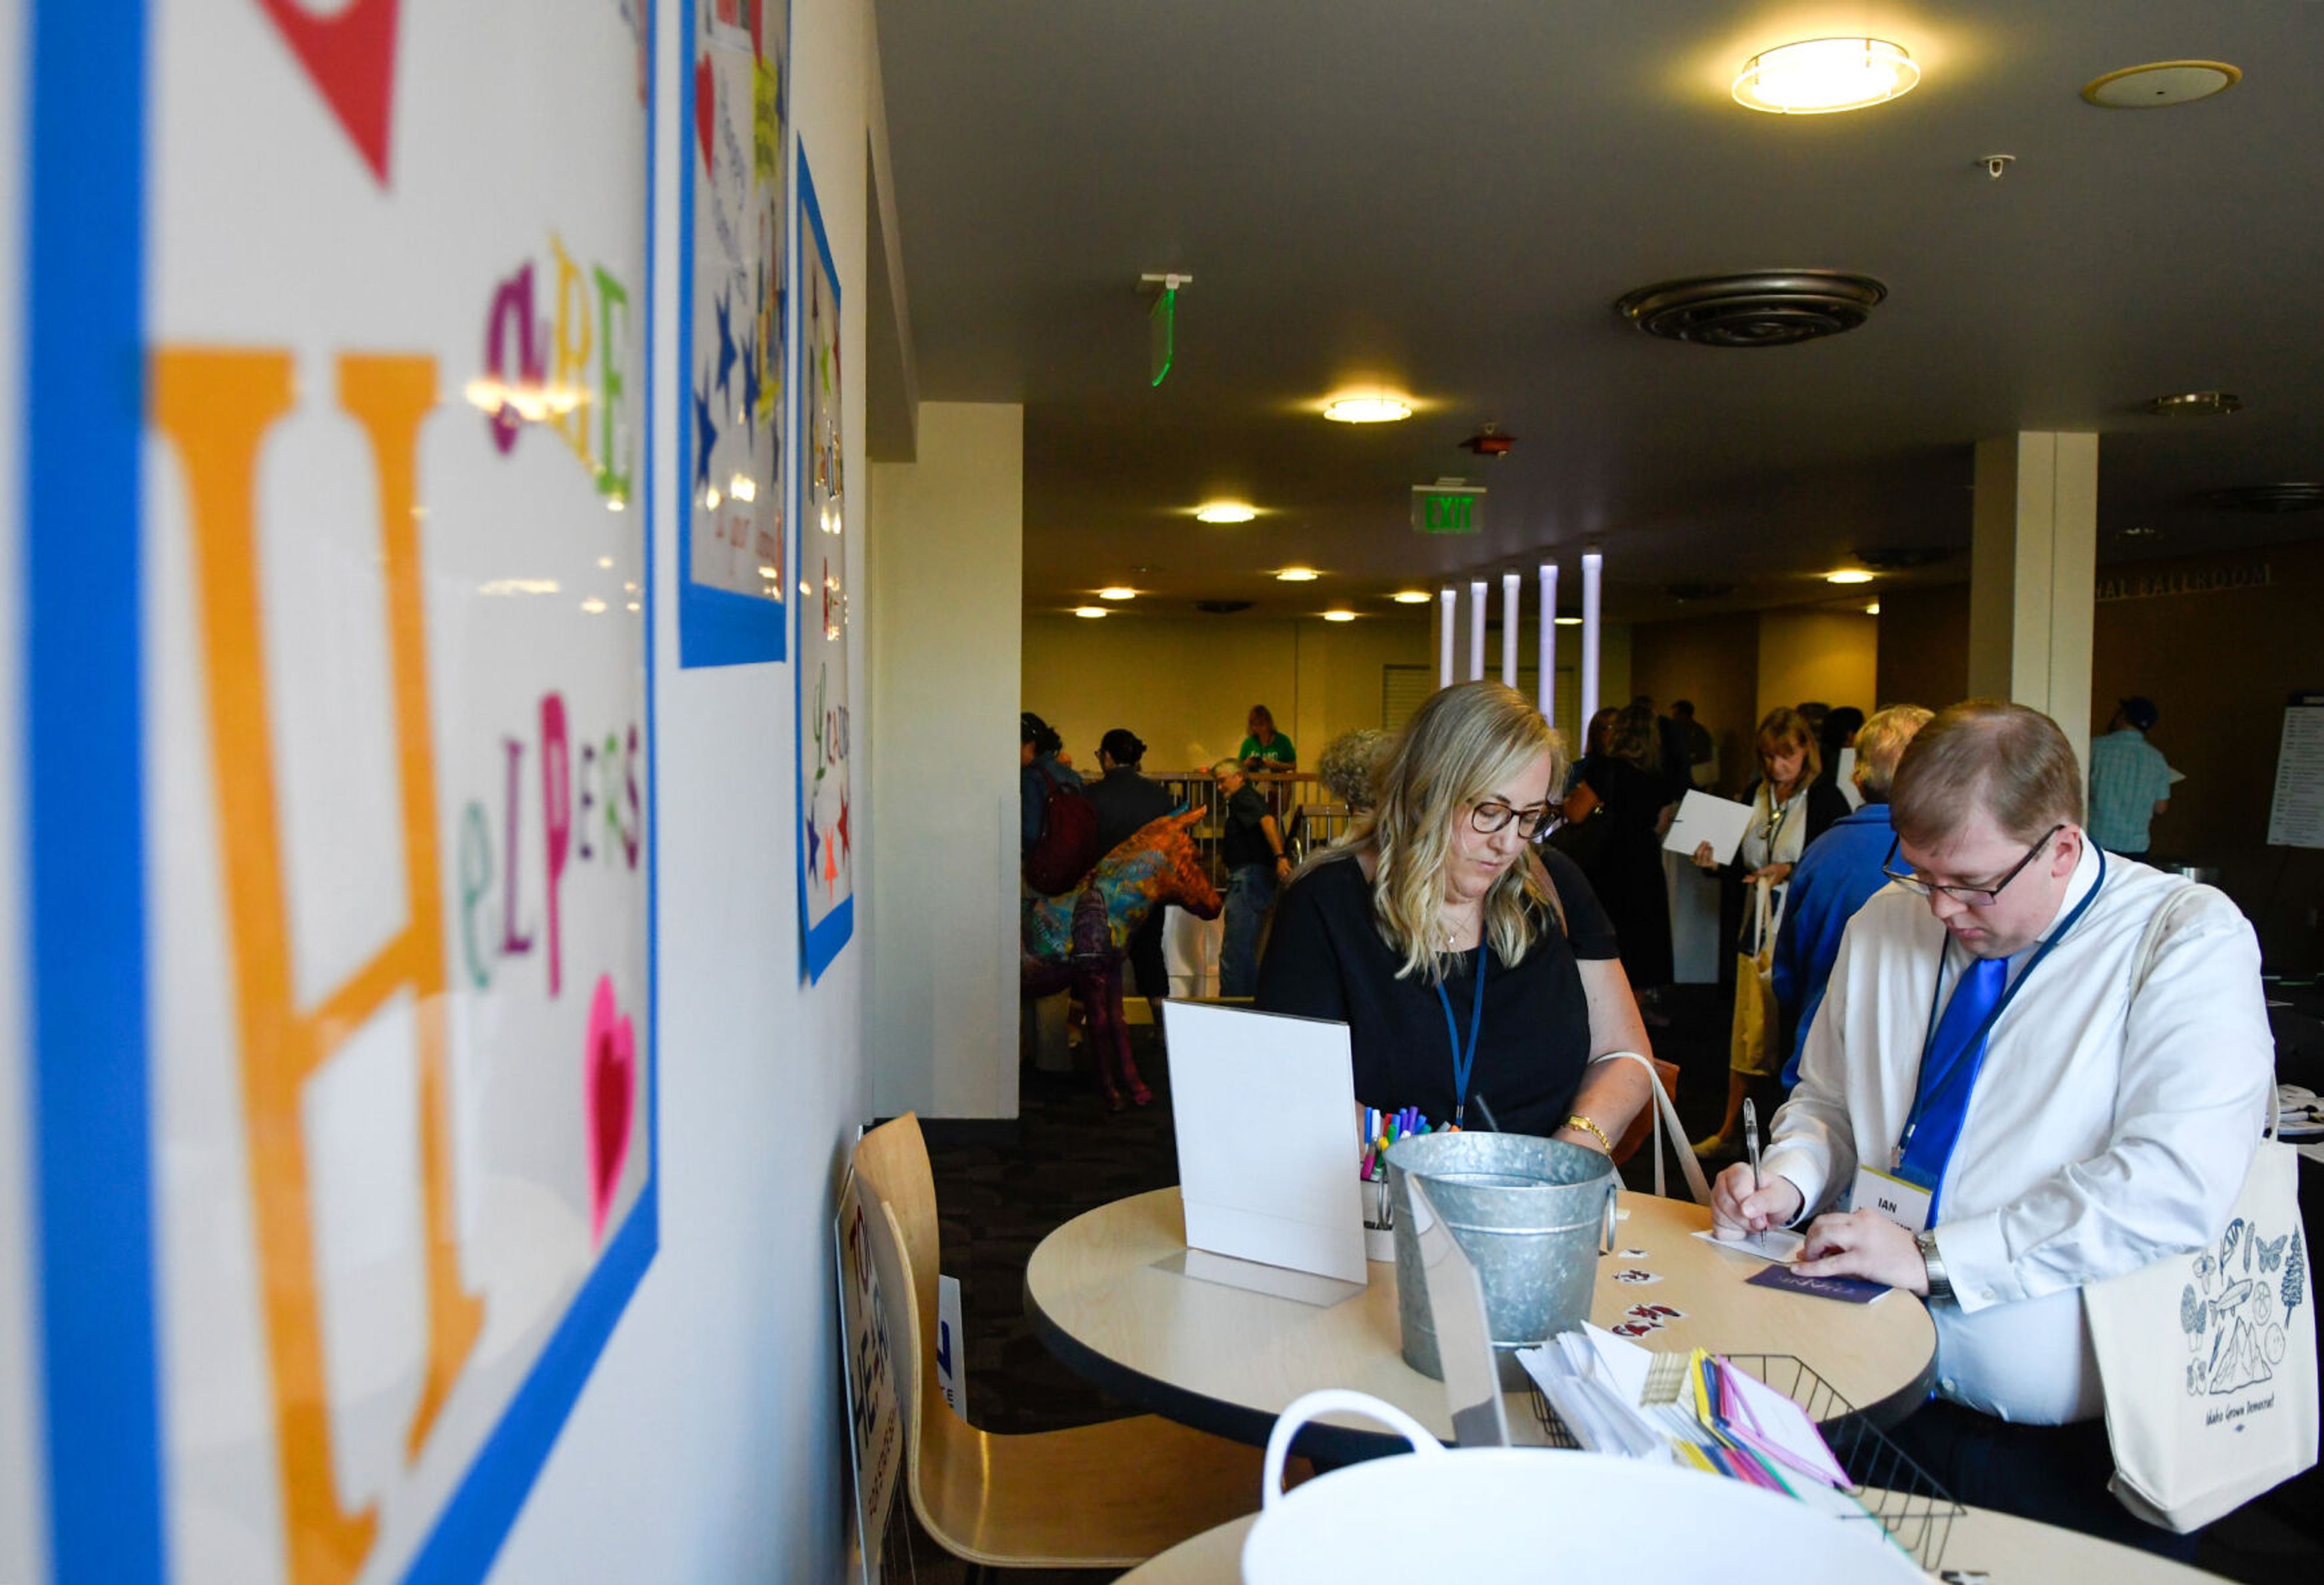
<point x="2022" y="1093"/>
<point x="1467" y="969"/>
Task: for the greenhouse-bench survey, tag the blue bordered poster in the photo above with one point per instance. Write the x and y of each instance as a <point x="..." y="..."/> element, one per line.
<point x="826" y="741"/>
<point x="337" y="981"/>
<point x="733" y="487"/>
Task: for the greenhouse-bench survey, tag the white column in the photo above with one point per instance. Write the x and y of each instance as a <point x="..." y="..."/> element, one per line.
<point x="1592" y="565"/>
<point x="1477" y="592"/>
<point x="1548" y="679"/>
<point x="1510" y="582"/>
<point x="2033" y="583"/>
<point x="1448" y="600"/>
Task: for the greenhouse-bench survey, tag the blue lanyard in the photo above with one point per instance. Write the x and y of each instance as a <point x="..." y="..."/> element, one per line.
<point x="1928" y="1084"/>
<point x="1465" y="1063"/>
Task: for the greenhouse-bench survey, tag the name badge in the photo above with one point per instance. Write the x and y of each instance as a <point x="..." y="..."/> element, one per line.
<point x="1905" y="1204"/>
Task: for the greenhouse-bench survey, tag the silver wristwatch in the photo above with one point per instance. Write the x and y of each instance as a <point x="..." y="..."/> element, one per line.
<point x="1939" y="1286"/>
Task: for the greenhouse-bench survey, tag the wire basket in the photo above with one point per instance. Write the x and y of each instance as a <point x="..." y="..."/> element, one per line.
<point x="1893" y="1491"/>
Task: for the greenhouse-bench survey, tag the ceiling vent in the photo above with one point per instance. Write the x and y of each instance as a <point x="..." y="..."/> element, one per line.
<point x="1900" y="558"/>
<point x="1772" y="308"/>
<point x="1223" y="607"/>
<point x="1697" y="591"/>
<point x="2271" y="498"/>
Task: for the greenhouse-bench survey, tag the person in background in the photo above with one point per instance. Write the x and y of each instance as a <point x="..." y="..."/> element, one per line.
<point x="1126" y="800"/>
<point x="1350" y="765"/>
<point x="1670" y="744"/>
<point x="1266" y="749"/>
<point x="1039" y="749"/>
<point x="1624" y="866"/>
<point x="1837" y="875"/>
<point x="1701" y="749"/>
<point x="2058" y="1117"/>
<point x="1812" y="712"/>
<point x="1595" y="742"/>
<point x="1435" y="910"/>
<point x="1789" y="810"/>
<point x="1834" y="737"/>
<point x="1256" y="863"/>
<point x="2130" y="780"/>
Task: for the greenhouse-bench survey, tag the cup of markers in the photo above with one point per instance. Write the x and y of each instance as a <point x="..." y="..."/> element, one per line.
<point x="1382" y="1130"/>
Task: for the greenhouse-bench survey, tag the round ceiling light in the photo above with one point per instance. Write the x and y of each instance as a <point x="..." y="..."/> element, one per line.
<point x="1339" y="616"/>
<point x="1225" y="512"/>
<point x="1298" y="575"/>
<point x="2196" y="405"/>
<point x="1367" y="410"/>
<point x="1818" y="76"/>
<point x="2160" y="84"/>
<point x="1092" y="611"/>
<point x="1848" y="575"/>
<point x="1873" y="608"/>
<point x="1569" y="621"/>
<point x="1410" y="597"/>
<point x="1118" y="592"/>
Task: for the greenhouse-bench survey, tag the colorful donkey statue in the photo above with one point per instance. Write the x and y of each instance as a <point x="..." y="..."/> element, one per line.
<point x="1077" y="939"/>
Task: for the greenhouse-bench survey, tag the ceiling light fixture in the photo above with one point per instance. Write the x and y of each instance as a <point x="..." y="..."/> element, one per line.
<point x="1092" y="611"/>
<point x="1225" y="512"/>
<point x="1339" y="616"/>
<point x="1848" y="575"/>
<point x="1819" y="77"/>
<point x="2196" y="405"/>
<point x="1873" y="608"/>
<point x="1410" y="597"/>
<point x="1298" y="575"/>
<point x="1569" y="621"/>
<point x="2160" y="84"/>
<point x="1117" y="592"/>
<point x="1367" y="410"/>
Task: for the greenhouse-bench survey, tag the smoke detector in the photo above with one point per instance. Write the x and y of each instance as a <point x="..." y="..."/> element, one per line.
<point x="1770" y="307"/>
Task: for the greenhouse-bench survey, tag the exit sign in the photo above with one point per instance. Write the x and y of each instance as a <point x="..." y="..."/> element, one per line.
<point x="1443" y="508"/>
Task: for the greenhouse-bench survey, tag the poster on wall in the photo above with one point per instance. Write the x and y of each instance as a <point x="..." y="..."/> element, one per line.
<point x="734" y="297"/>
<point x="344" y="1071"/>
<point x="827" y="842"/>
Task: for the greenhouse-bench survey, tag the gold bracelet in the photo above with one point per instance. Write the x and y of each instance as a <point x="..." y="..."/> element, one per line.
<point x="1578" y="1121"/>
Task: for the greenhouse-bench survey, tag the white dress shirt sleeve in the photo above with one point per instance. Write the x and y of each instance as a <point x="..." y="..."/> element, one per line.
<point x="1812" y="1142"/>
<point x="2197" y="1061"/>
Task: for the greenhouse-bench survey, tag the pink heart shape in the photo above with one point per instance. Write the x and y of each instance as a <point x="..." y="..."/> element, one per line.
<point x="611" y="1089"/>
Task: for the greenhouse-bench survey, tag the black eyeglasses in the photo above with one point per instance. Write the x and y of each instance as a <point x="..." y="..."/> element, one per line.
<point x="1492" y="816"/>
<point x="1975" y="897"/>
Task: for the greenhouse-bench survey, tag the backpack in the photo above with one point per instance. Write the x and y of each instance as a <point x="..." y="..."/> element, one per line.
<point x="1066" y="849"/>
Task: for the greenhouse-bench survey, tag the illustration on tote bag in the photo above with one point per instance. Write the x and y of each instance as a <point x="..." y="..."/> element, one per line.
<point x="2229" y="1310"/>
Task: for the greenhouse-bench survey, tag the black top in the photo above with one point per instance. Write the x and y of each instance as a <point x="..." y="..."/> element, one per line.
<point x="1245" y="843"/>
<point x="1326" y="960"/>
<point x="1125" y="801"/>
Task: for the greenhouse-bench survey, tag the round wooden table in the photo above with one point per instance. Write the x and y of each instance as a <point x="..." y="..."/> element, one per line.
<point x="2009" y="1551"/>
<point x="1227" y="1360"/>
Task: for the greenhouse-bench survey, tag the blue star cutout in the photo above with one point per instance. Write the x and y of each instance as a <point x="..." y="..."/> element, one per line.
<point x="751" y="396"/>
<point x="814" y="844"/>
<point x="705" y="437"/>
<point x="725" y="341"/>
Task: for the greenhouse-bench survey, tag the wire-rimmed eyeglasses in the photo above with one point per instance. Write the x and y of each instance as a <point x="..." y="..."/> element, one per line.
<point x="1975" y="897"/>
<point x="1492" y="816"/>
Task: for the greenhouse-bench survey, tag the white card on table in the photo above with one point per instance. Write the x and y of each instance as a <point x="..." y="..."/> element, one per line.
<point x="1261" y="1104"/>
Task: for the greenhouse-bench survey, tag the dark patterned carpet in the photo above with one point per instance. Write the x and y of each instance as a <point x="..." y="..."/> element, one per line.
<point x="1072" y="1156"/>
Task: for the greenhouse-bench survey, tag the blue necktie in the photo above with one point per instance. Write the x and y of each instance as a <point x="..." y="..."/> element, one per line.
<point x="1948" y="1074"/>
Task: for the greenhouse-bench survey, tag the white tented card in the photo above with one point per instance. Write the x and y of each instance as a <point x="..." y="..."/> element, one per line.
<point x="952" y="1364"/>
<point x="1261" y="1104"/>
<point x="1905" y="1204"/>
<point x="1701" y="818"/>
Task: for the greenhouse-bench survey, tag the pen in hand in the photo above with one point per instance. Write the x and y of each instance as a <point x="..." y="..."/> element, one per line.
<point x="1751" y="1139"/>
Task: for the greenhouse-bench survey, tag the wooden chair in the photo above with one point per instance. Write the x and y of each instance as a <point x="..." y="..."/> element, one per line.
<point x="1108" y="1495"/>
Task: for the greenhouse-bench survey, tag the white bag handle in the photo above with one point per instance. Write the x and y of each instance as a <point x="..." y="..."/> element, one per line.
<point x="1667" y="1118"/>
<point x="1327" y="1401"/>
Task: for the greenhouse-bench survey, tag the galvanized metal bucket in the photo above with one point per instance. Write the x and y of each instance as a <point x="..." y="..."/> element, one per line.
<point x="1533" y="1216"/>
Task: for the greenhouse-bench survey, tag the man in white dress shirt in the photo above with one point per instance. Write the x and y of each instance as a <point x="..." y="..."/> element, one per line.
<point x="2012" y="1118"/>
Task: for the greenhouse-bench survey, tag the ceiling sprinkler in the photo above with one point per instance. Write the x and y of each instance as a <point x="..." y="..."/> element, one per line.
<point x="1489" y="441"/>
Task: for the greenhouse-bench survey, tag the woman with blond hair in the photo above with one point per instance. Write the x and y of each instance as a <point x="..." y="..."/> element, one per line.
<point x="1790" y="808"/>
<point x="1474" y="973"/>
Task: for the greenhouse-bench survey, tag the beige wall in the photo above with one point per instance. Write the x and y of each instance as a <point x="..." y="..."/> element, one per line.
<point x="1186" y="684"/>
<point x="1832" y="655"/>
<point x="946" y="579"/>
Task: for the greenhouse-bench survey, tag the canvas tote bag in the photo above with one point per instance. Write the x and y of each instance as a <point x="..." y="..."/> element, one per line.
<point x="1753" y="1043"/>
<point x="2209" y="1358"/>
